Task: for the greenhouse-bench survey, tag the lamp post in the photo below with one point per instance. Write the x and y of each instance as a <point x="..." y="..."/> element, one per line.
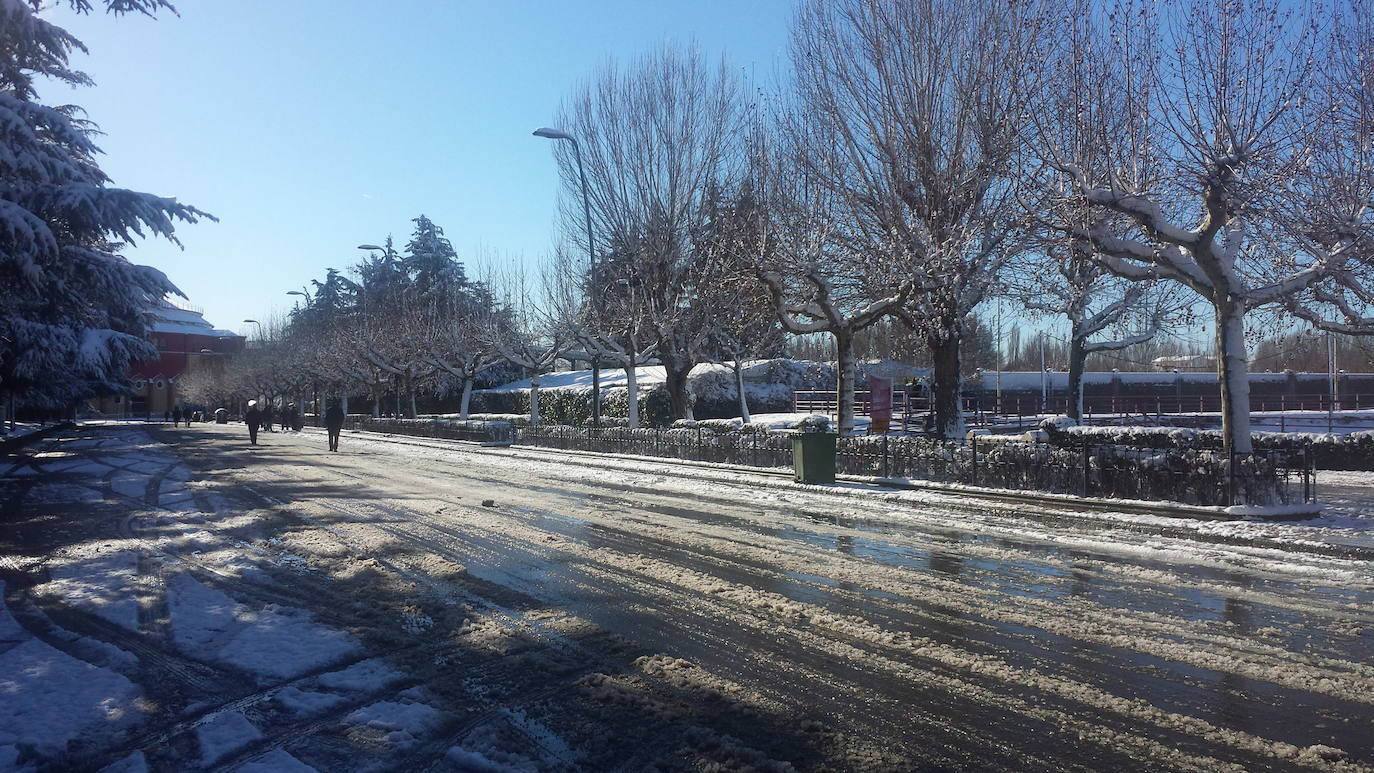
<point x="556" y="134"/>
<point x="255" y="322"/>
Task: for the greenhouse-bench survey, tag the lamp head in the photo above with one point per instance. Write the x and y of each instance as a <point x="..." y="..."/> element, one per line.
<point x="553" y="134"/>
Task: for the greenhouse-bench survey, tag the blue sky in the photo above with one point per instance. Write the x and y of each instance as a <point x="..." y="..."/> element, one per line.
<point x="312" y="126"/>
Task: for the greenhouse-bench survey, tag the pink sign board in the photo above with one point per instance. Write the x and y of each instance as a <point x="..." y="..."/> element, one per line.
<point x="880" y="398"/>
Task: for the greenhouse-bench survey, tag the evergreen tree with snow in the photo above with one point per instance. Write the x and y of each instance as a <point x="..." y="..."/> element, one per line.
<point x="71" y="307"/>
<point x="437" y="278"/>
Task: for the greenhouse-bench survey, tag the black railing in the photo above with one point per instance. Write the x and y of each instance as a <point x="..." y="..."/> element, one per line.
<point x="1187" y="476"/>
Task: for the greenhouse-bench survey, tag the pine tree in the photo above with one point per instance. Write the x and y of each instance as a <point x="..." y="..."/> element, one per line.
<point x="437" y="278"/>
<point x="71" y="308"/>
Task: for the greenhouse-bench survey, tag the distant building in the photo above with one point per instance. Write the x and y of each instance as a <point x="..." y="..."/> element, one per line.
<point x="185" y="343"/>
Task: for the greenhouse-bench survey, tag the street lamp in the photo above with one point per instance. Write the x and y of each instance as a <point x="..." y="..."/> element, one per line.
<point x="558" y="134"/>
<point x="255" y="322"/>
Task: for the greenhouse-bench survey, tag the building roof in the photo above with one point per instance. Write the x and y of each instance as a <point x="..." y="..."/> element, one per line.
<point x="164" y="317"/>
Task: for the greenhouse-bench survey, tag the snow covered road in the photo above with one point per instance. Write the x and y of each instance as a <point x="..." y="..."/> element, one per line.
<point x="202" y="602"/>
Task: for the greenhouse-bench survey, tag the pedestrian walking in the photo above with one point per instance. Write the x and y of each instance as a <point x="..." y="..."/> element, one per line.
<point x="253" y="417"/>
<point x="176" y="417"/>
<point x="267" y="416"/>
<point x="333" y="423"/>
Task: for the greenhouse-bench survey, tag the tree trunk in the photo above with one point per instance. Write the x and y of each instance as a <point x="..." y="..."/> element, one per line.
<point x="467" y="399"/>
<point x="632" y="391"/>
<point x="944" y="392"/>
<point x="1078" y="355"/>
<point x="844" y="380"/>
<point x="534" y="400"/>
<point x="675" y="373"/>
<point x="1233" y="376"/>
<point x="343" y="402"/>
<point x="739" y="387"/>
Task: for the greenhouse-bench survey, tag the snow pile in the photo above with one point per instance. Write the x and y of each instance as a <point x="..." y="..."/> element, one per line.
<point x="399" y="724"/>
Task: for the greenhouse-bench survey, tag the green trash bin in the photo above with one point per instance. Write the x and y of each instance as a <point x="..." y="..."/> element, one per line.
<point x="813" y="457"/>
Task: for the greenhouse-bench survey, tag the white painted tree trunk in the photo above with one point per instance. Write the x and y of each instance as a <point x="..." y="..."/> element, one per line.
<point x="1233" y="376"/>
<point x="413" y="413"/>
<point x="632" y="394"/>
<point x="534" y="400"/>
<point x="845" y="372"/>
<point x="321" y="408"/>
<point x="467" y="399"/>
<point x="739" y="387"/>
<point x="343" y="400"/>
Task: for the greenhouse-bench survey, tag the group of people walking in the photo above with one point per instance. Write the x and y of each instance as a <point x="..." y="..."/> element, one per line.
<point x="261" y="418"/>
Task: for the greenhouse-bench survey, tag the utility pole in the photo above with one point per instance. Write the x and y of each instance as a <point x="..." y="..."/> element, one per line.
<point x="1044" y="387"/>
<point x="997" y="358"/>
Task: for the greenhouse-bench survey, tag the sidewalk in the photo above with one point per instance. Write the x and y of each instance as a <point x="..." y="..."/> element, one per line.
<point x="1345" y="532"/>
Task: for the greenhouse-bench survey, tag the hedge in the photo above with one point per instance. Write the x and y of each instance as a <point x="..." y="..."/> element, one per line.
<point x="1354" y="451"/>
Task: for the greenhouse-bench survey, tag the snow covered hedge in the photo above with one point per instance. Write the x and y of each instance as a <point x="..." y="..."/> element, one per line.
<point x="1354" y="451"/>
<point x="1185" y="475"/>
<point x="452" y="429"/>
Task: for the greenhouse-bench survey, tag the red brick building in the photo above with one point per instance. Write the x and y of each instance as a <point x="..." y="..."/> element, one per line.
<point x="185" y="342"/>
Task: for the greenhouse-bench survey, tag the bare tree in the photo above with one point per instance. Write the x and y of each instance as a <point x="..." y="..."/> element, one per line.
<point x="657" y="138"/>
<point x="909" y="113"/>
<point x="1337" y="211"/>
<point x="1215" y="105"/>
<point x="744" y="323"/>
<point x="452" y="342"/>
<point x="1067" y="282"/>
<point x="817" y="281"/>
<point x="529" y="332"/>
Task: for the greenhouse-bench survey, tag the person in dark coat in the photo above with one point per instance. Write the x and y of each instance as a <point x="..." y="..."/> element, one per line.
<point x="176" y="417"/>
<point x="267" y="417"/>
<point x="253" y="417"/>
<point x="333" y="423"/>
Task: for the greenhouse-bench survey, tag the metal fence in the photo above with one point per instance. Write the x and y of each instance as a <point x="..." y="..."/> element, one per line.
<point x="1188" y="476"/>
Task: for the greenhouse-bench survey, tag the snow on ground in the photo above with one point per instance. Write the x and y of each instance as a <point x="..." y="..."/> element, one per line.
<point x="49" y="698"/>
<point x="224" y="733"/>
<point x="307" y="703"/>
<point x="366" y="676"/>
<point x="276" y="761"/>
<point x="646" y="376"/>
<point x="476" y="762"/>
<point x="870" y="504"/>
<point x="102" y="583"/>
<point x="134" y="763"/>
<point x="398" y="724"/>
